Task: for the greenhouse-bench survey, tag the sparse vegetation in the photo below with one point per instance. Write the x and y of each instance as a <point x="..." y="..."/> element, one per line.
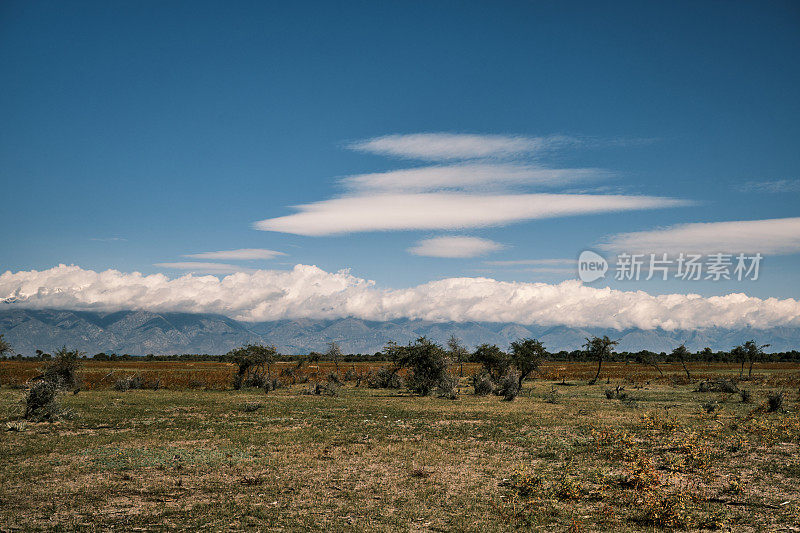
<point x="62" y="369"/>
<point x="559" y="457"/>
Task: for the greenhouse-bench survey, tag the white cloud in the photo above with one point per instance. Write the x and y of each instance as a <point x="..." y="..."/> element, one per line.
<point x="470" y="176"/>
<point x="454" y="146"/>
<point x="771" y="236"/>
<point x="241" y="254"/>
<point x="455" y="247"/>
<point x="205" y="268"/>
<point x="472" y="188"/>
<point x="437" y="211"/>
<point x="307" y="291"/>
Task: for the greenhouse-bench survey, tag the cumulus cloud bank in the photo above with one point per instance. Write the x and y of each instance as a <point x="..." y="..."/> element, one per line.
<point x="455" y="247"/>
<point x="307" y="291"/>
<point x="771" y="236"/>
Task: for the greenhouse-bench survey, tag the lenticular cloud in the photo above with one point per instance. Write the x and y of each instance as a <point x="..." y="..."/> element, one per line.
<point x="308" y="291"/>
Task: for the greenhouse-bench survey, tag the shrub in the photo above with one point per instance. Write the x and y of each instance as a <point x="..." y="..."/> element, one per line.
<point x="350" y="375"/>
<point x="42" y="403"/>
<point x="447" y="388"/>
<point x="248" y="358"/>
<point x="775" y="402"/>
<point x="255" y="380"/>
<point x="495" y="361"/>
<point x="271" y="384"/>
<point x="427" y="363"/>
<point x="333" y="377"/>
<point x="666" y="511"/>
<point x="385" y="378"/>
<point x="62" y="370"/>
<point x="123" y="384"/>
<point x="717" y="385"/>
<point x="328" y="389"/>
<point x="482" y="383"/>
<point x="509" y="386"/>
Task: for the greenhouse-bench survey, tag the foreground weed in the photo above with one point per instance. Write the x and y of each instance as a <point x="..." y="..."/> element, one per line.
<point x="666" y="510"/>
<point x="657" y="421"/>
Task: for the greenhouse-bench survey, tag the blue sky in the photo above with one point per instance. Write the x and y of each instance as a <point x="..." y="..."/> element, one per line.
<point x="136" y="133"/>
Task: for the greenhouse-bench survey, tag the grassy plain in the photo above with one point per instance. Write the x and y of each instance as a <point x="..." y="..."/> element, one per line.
<point x="561" y="457"/>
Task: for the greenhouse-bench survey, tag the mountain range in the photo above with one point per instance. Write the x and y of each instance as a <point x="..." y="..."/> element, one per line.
<point x="145" y="332"/>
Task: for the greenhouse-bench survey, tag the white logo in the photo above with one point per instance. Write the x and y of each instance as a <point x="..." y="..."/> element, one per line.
<point x="591" y="266"/>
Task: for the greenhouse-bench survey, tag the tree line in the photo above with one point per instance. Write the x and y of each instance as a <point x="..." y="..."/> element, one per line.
<point x="680" y="354"/>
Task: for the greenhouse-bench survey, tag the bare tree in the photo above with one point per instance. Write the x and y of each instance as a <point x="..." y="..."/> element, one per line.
<point x="458" y="353"/>
<point x="334" y="354"/>
<point x="650" y="359"/>
<point x="599" y="348"/>
<point x="754" y="353"/>
<point x="740" y="355"/>
<point x="680" y="353"/>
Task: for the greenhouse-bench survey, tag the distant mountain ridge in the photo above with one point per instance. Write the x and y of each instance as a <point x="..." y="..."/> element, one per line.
<point x="144" y="332"/>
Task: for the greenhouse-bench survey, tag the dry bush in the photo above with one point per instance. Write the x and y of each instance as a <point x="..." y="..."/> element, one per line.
<point x="717" y="385"/>
<point x="41" y="403"/>
<point x="666" y="510"/>
<point x="327" y="389"/>
<point x="775" y="401"/>
<point x="271" y="385"/>
<point x="482" y="383"/>
<point x="616" y="394"/>
<point x="447" y="388"/>
<point x="385" y="378"/>
<point x="62" y="370"/>
<point x="509" y="386"/>
<point x="641" y="474"/>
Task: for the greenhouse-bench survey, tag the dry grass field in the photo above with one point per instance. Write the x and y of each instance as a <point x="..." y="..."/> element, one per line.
<point x="564" y="456"/>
